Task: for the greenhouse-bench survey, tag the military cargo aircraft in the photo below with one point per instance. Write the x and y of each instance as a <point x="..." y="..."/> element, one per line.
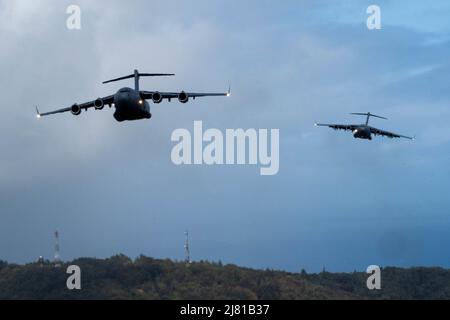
<point x="132" y="104"/>
<point x="364" y="131"/>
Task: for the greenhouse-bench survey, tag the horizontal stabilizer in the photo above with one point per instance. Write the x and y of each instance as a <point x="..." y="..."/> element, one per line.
<point x="369" y="115"/>
<point x="140" y="75"/>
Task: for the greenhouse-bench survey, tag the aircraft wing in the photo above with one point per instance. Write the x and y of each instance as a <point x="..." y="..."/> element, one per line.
<point x="349" y="127"/>
<point x="86" y="105"/>
<point x="147" y="95"/>
<point x="379" y="132"/>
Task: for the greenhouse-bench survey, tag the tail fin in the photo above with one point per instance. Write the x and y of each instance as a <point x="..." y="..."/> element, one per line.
<point x="368" y="116"/>
<point x="137" y="75"/>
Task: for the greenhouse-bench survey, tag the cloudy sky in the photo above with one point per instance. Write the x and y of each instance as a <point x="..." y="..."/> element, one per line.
<point x="337" y="202"/>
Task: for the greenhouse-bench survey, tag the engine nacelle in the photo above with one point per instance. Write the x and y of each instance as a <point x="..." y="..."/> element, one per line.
<point x="183" y="97"/>
<point x="76" y="110"/>
<point x="157" y="97"/>
<point x="99" y="104"/>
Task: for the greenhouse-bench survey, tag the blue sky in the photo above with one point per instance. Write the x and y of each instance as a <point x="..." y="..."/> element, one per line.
<point x="337" y="202"/>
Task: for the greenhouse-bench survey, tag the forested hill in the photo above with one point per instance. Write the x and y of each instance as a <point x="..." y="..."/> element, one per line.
<point x="145" y="278"/>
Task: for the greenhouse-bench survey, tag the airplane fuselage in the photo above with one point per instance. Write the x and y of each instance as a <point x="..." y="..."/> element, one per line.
<point x="130" y="106"/>
<point x="362" y="132"/>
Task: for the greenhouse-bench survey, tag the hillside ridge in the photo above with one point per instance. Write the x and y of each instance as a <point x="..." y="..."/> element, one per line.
<point x="120" y="277"/>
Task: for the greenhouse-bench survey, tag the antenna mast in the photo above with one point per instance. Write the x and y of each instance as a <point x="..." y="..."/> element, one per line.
<point x="186" y="249"/>
<point x="57" y="258"/>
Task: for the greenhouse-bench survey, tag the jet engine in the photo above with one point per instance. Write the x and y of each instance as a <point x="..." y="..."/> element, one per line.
<point x="76" y="110"/>
<point x="99" y="104"/>
<point x="157" y="97"/>
<point x="183" y="97"/>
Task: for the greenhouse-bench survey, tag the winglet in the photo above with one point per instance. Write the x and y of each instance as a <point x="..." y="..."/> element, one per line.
<point x="229" y="91"/>
<point x="38" y="114"/>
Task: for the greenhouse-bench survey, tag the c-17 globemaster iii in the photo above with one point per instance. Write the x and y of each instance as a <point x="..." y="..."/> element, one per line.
<point x="131" y="104"/>
<point x="364" y="131"/>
